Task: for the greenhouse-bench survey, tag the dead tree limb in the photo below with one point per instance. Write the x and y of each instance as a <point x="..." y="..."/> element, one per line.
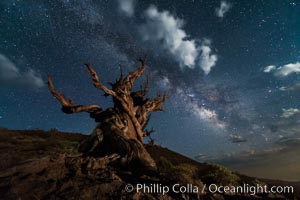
<point x="123" y="126"/>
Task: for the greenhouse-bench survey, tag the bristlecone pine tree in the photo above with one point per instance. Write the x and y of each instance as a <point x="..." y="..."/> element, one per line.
<point x="122" y="127"/>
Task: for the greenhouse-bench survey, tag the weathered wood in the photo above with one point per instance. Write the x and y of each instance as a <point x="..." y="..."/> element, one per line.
<point x="122" y="127"/>
<point x="67" y="105"/>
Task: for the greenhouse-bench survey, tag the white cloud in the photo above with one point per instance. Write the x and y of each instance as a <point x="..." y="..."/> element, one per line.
<point x="8" y="70"/>
<point x="288" y="69"/>
<point x="287" y="113"/>
<point x="290" y="88"/>
<point x="269" y="68"/>
<point x="164" y="27"/>
<point x="284" y="70"/>
<point x="10" y="74"/>
<point x="127" y="7"/>
<point x="31" y="77"/>
<point x="223" y="9"/>
<point x="207" y="59"/>
<point x="237" y="138"/>
<point x="283" y="88"/>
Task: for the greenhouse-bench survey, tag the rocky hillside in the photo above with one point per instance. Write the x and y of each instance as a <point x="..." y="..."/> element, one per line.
<point x="38" y="164"/>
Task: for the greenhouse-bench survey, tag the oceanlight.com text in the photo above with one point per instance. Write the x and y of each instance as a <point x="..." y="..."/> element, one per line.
<point x="250" y="189"/>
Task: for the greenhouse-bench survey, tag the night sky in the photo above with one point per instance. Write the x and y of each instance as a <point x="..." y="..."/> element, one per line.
<point x="231" y="69"/>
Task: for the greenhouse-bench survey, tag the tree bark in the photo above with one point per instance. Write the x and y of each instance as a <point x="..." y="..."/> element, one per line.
<point x="121" y="128"/>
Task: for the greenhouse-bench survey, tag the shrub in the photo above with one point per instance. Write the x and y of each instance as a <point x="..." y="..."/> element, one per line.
<point x="182" y="173"/>
<point x="219" y="175"/>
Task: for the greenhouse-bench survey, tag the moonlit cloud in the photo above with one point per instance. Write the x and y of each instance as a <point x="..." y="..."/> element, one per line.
<point x="290" y="88"/>
<point x="8" y="70"/>
<point x="207" y="59"/>
<point x="223" y="9"/>
<point x="127" y="7"/>
<point x="237" y="138"/>
<point x="287" y="113"/>
<point x="269" y="68"/>
<point x="283" y="88"/>
<point x="164" y="27"/>
<point x="289" y="141"/>
<point x="11" y="75"/>
<point x="284" y="70"/>
<point x="288" y="69"/>
<point x="202" y="157"/>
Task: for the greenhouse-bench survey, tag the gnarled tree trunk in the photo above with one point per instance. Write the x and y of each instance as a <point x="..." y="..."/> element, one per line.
<point x="121" y="128"/>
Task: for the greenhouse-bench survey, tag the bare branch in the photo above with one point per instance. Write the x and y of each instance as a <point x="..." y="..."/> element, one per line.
<point x="138" y="97"/>
<point x="121" y="73"/>
<point x="151" y="142"/>
<point x="67" y="105"/>
<point x="129" y="80"/>
<point x="149" y="132"/>
<point x="60" y="97"/>
<point x="150" y="105"/>
<point x="145" y="123"/>
<point x="156" y="104"/>
<point x="97" y="82"/>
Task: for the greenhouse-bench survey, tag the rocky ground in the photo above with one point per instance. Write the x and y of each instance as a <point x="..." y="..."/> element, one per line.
<point x="40" y="164"/>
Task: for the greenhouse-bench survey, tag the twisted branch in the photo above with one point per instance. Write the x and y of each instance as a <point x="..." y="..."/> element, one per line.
<point x="97" y="83"/>
<point x="67" y="105"/>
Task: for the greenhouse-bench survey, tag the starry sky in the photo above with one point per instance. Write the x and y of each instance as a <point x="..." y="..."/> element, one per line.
<point x="231" y="69"/>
